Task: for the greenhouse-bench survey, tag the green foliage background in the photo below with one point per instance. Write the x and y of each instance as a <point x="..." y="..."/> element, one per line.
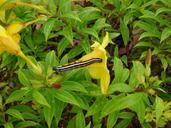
<point x="139" y="93"/>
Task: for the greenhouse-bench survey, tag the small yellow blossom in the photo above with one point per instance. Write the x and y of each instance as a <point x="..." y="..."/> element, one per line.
<point x="99" y="70"/>
<point x="9" y="42"/>
<point x="2" y="1"/>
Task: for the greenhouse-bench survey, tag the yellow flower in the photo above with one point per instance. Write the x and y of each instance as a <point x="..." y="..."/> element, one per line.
<point x="99" y="70"/>
<point x="2" y="1"/>
<point x="9" y="42"/>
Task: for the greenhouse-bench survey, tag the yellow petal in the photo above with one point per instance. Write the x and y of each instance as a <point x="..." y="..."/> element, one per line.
<point x="95" y="45"/>
<point x="1" y="47"/>
<point x="9" y="45"/>
<point x="2" y="1"/>
<point x="104" y="80"/>
<point x="7" y="42"/>
<point x="101" y="73"/>
<point x="3" y="32"/>
<point x="16" y="38"/>
<point x="105" y="40"/>
<point x="14" y="28"/>
<point x="99" y="70"/>
<point x="97" y="53"/>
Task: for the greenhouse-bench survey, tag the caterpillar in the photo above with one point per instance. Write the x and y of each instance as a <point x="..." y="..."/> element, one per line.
<point x="77" y="65"/>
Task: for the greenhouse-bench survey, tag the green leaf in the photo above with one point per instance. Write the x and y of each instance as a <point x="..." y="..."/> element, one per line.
<point x="149" y="3"/>
<point x="72" y="123"/>
<point x="97" y="3"/>
<point x="159" y="108"/>
<point x="89" y="13"/>
<point x="166" y="2"/>
<point x="123" y="124"/>
<point x="96" y="107"/>
<point x="118" y="68"/>
<point x="59" y="107"/>
<point x="75" y="52"/>
<point x="30" y="116"/>
<point x="140" y="110"/>
<point x="124" y="60"/>
<point x="85" y="45"/>
<point x="150" y="27"/>
<point x="100" y="23"/>
<point x="48" y="26"/>
<point x="24" y="108"/>
<point x="71" y="15"/>
<point x="66" y="96"/>
<point x="120" y="87"/>
<point x="124" y="31"/>
<point x="121" y="102"/>
<point x="17" y="95"/>
<point x="148" y="14"/>
<point x="23" y="78"/>
<point x="93" y="89"/>
<point x="144" y="44"/>
<point x="80" y="120"/>
<point x="91" y="31"/>
<point x="64" y="60"/>
<point x="67" y="33"/>
<point x="50" y="59"/>
<point x="146" y="34"/>
<point x="39" y="98"/>
<point x="125" y="74"/>
<point x="62" y="45"/>
<point x="8" y="125"/>
<point x="74" y="86"/>
<point x="26" y="124"/>
<point x="128" y="17"/>
<point x="165" y="34"/>
<point x="116" y="3"/>
<point x="83" y="103"/>
<point x="137" y="75"/>
<point x="164" y="62"/>
<point x="15" y="113"/>
<point x="126" y="115"/>
<point x="1" y="102"/>
<point x="121" y="74"/>
<point x="89" y="125"/>
<point x="29" y="41"/>
<point x="64" y="6"/>
<point x="52" y="6"/>
<point x="6" y="60"/>
<point x="114" y="35"/>
<point x="112" y="119"/>
<point x="146" y="125"/>
<point x="72" y="74"/>
<point x="163" y="10"/>
<point x="48" y="114"/>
